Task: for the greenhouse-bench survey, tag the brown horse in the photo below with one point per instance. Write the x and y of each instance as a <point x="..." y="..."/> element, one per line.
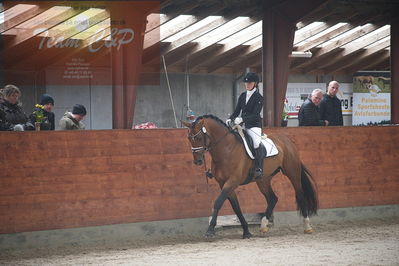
<point x="231" y="165"/>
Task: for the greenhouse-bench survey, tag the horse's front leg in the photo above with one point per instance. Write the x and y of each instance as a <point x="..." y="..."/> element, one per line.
<point x="216" y="207"/>
<point x="236" y="207"/>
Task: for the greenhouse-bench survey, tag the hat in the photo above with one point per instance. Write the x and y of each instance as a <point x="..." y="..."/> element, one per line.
<point x="251" y="77"/>
<point x="79" y="109"/>
<point x="46" y="99"/>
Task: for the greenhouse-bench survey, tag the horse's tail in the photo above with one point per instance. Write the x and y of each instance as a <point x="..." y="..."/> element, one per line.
<point x="309" y="203"/>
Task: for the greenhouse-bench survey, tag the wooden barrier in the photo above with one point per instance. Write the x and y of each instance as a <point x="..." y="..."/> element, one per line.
<point x="67" y="179"/>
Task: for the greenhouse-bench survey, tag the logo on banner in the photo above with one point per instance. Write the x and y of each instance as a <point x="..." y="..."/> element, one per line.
<point x="118" y="38"/>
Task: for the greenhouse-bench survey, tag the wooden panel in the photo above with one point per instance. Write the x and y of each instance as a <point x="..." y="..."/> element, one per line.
<point x="65" y="179"/>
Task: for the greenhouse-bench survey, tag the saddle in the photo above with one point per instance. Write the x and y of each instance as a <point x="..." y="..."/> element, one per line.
<point x="267" y="145"/>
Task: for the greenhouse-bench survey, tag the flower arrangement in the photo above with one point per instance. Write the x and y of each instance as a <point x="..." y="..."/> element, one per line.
<point x="39" y="113"/>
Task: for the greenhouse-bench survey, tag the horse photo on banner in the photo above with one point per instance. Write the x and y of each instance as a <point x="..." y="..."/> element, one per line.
<point x="371" y="98"/>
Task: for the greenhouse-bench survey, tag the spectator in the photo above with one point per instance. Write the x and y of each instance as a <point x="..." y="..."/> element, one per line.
<point x="330" y="106"/>
<point x="309" y="112"/>
<point x="73" y="120"/>
<point x="4" y="125"/>
<point x="12" y="113"/>
<point x="45" y="107"/>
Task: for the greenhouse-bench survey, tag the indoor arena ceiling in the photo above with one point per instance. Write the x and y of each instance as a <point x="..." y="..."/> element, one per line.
<point x="219" y="36"/>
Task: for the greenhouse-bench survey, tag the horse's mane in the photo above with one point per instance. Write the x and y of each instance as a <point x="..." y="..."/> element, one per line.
<point x="220" y="121"/>
<point x="217" y="119"/>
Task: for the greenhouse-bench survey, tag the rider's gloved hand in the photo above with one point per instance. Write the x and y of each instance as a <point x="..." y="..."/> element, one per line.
<point x="228" y="122"/>
<point x="238" y="120"/>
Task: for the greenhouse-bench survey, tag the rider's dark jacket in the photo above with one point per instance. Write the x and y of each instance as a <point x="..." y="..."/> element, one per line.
<point x="250" y="112"/>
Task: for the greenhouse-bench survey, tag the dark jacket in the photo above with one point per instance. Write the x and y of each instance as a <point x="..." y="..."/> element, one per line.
<point x="48" y="124"/>
<point x="4" y="125"/>
<point x="309" y="114"/>
<point x="250" y="112"/>
<point x="330" y="110"/>
<point x="15" y="115"/>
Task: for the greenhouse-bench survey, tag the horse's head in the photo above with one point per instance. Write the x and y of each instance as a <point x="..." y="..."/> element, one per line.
<point x="199" y="139"/>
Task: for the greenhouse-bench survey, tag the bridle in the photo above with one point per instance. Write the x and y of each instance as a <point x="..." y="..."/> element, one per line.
<point x="206" y="147"/>
<point x="203" y="148"/>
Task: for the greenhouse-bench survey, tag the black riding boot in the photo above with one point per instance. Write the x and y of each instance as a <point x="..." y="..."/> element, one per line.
<point x="258" y="162"/>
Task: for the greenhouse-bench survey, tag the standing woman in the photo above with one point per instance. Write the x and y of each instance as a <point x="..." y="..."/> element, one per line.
<point x="10" y="106"/>
<point x="250" y="104"/>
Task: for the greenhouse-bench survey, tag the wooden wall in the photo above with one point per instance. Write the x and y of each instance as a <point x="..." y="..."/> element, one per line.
<point x="66" y="179"/>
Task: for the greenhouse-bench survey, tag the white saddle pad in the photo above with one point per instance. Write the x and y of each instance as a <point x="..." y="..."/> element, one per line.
<point x="271" y="148"/>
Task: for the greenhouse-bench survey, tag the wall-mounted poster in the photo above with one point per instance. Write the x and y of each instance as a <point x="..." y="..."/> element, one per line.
<point x="371" y="98"/>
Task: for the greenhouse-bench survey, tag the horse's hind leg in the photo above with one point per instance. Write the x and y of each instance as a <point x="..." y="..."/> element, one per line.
<point x="305" y="193"/>
<point x="271" y="199"/>
<point x="236" y="207"/>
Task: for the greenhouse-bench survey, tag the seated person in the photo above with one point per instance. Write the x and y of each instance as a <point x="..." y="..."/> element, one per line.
<point x="73" y="120"/>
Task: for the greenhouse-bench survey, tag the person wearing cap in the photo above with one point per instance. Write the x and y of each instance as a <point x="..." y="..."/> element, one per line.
<point x="250" y="104"/>
<point x="73" y="120"/>
<point x="47" y="104"/>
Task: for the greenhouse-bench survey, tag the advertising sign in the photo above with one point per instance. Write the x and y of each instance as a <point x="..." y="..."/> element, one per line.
<point x="371" y="98"/>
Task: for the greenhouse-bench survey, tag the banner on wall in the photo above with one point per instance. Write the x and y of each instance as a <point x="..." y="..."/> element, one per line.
<point x="297" y="93"/>
<point x="371" y="98"/>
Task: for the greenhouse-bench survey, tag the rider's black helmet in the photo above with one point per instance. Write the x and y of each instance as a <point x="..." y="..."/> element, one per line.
<point x="251" y="77"/>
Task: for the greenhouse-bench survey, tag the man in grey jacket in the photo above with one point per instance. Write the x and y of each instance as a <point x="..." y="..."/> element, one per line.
<point x="73" y="120"/>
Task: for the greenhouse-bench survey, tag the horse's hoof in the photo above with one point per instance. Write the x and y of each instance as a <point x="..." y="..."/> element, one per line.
<point x="264" y="229"/>
<point x="246" y="235"/>
<point x="210" y="234"/>
<point x="308" y="231"/>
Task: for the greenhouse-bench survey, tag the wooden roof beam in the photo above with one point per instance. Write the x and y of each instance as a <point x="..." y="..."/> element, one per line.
<point x="247" y="61"/>
<point x="325" y="37"/>
<point x="212" y="40"/>
<point x="255" y="48"/>
<point x="363" y="53"/>
<point x="76" y="24"/>
<point x="368" y="62"/>
<point x="301" y="36"/>
<point x="157" y="34"/>
<point x="39" y="24"/>
<point x="335" y="45"/>
<point x="155" y="20"/>
<point x="18" y="14"/>
<point x="205" y="29"/>
<point x="237" y="40"/>
<point x="355" y="46"/>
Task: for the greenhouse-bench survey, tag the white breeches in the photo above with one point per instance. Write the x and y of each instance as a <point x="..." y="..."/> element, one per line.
<point x="256" y="135"/>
